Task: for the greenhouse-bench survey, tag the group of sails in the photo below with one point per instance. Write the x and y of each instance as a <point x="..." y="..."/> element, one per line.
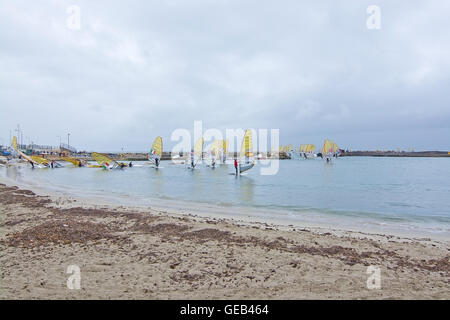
<point x="329" y="150"/>
<point x="307" y="151"/>
<point x="217" y="153"/>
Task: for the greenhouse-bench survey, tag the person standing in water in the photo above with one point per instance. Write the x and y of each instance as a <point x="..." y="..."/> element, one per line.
<point x="236" y="166"/>
<point x="51" y="164"/>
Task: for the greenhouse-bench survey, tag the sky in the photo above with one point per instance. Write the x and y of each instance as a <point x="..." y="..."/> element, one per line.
<point x="134" y="70"/>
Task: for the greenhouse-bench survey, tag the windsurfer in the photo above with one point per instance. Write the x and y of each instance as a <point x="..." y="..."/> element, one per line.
<point x="236" y="166"/>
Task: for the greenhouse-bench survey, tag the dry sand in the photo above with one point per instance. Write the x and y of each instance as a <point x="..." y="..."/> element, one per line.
<point x="129" y="253"/>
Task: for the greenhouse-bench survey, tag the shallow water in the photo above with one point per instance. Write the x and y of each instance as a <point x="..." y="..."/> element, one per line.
<point x="402" y="193"/>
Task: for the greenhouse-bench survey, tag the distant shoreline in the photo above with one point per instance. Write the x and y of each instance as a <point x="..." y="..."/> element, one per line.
<point x="434" y="154"/>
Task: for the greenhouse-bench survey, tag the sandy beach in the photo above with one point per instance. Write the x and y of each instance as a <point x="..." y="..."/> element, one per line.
<point x="132" y="253"/>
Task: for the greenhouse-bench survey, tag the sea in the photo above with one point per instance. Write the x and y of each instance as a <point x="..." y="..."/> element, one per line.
<point x="407" y="196"/>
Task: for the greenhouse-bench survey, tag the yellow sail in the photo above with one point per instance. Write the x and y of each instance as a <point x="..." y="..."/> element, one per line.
<point x="224" y="146"/>
<point x="23" y="155"/>
<point x="330" y="147"/>
<point x="288" y="148"/>
<point x="157" y="148"/>
<point x="14" y="143"/>
<point x="247" y="144"/>
<point x="40" y="160"/>
<point x="246" y="153"/>
<point x="216" y="147"/>
<point x="335" y="148"/>
<point x="94" y="166"/>
<point x="102" y="159"/>
<point x="74" y="161"/>
<point x="198" y="148"/>
<point x="281" y="148"/>
<point x="326" y="147"/>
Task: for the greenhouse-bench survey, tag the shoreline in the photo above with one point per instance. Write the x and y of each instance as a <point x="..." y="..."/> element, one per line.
<point x="278" y="218"/>
<point x="134" y="253"/>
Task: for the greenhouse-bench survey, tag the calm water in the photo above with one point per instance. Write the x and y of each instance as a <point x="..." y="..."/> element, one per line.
<point x="408" y="193"/>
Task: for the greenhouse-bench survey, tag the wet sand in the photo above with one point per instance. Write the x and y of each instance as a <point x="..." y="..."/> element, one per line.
<point x="132" y="253"/>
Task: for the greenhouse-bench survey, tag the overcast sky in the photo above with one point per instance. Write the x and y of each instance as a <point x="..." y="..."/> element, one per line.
<point x="138" y="69"/>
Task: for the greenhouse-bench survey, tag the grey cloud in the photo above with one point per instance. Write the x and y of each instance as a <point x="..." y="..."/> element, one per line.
<point x="143" y="69"/>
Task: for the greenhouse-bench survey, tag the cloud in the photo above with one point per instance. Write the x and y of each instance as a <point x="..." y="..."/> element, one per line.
<point x="143" y="69"/>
